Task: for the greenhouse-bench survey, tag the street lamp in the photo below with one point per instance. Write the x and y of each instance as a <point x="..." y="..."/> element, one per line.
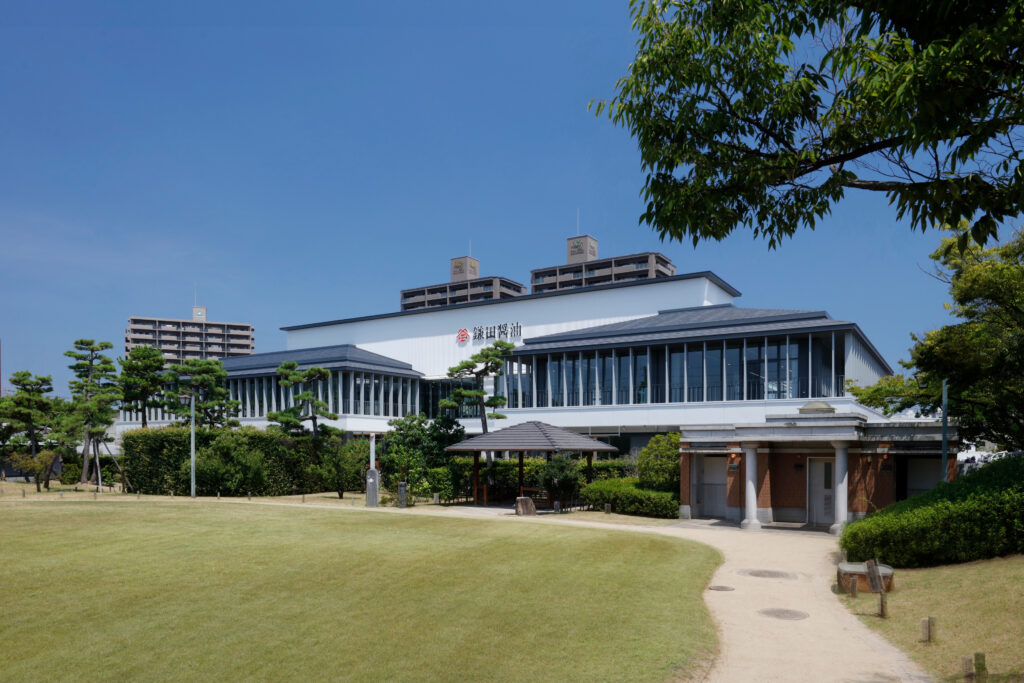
<point x="193" y="442"/>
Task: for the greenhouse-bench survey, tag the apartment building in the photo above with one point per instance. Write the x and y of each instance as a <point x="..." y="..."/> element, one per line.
<point x="584" y="269"/>
<point x="465" y="286"/>
<point x="180" y="340"/>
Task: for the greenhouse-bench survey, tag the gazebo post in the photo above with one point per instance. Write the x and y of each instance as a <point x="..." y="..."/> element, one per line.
<point x="590" y="467"/>
<point x="520" y="474"/>
<point x="476" y="477"/>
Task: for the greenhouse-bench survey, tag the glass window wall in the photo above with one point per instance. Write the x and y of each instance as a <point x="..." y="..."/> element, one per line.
<point x="556" y="379"/>
<point x="713" y="370"/>
<point x="606" y="376"/>
<point x="676" y="374"/>
<point x="734" y="371"/>
<point x="640" y="384"/>
<point x="658" y="394"/>
<point x="588" y="375"/>
<point x="622" y="382"/>
<point x="694" y="372"/>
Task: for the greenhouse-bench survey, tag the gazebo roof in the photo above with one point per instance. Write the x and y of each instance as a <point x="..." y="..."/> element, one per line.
<point x="531" y="436"/>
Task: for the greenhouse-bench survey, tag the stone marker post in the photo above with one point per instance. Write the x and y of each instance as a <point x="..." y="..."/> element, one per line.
<point x="372" y="475"/>
<point x="402" y="500"/>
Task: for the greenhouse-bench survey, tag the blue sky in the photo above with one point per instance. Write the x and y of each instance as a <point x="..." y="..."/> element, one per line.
<point x="305" y="164"/>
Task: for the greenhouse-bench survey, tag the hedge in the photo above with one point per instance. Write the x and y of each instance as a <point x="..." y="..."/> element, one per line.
<point x="263" y="462"/>
<point x="627" y="499"/>
<point x="977" y="516"/>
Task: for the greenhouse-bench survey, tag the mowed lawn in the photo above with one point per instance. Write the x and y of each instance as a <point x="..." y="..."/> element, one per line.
<point x="204" y="590"/>
<point x="978" y="607"/>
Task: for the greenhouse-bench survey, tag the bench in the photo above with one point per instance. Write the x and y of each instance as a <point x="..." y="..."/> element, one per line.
<point x="858" y="571"/>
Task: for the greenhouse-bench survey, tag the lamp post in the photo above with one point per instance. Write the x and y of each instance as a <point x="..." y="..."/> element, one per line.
<point x="192" y="445"/>
<point x="945" y="428"/>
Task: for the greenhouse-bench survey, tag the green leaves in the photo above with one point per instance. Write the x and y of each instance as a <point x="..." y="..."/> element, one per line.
<point x="981" y="357"/>
<point x="759" y="115"/>
<point x="206" y="380"/>
<point x="487" y="362"/>
<point x="307" y="404"/>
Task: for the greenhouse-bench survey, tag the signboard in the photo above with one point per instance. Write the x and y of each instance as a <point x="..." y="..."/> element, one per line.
<point x="489" y="332"/>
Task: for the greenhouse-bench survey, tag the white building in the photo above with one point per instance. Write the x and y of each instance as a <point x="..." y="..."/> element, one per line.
<point x="629" y="360"/>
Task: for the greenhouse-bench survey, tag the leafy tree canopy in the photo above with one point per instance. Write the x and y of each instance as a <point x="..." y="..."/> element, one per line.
<point x="981" y="357"/>
<point x="487" y="362"/>
<point x="762" y="114"/>
<point x="207" y="379"/>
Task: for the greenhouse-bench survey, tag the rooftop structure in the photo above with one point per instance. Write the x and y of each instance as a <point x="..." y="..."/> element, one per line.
<point x="180" y="340"/>
<point x="465" y="286"/>
<point x="584" y="269"/>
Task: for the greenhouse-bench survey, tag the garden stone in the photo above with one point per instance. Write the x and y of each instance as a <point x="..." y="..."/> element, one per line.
<point x="525" y="507"/>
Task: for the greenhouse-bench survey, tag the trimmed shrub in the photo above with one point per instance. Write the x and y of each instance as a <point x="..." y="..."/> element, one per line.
<point x="627" y="499"/>
<point x="657" y="467"/>
<point x="977" y="516"/>
<point x="441" y="482"/>
<point x="70" y="473"/>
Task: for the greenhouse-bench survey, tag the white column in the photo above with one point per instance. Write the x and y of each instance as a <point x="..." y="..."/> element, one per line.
<point x="840" y="483"/>
<point x="750" y="466"/>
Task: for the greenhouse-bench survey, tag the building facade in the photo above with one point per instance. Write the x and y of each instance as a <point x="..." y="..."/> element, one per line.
<point x="180" y="340"/>
<point x="769" y="431"/>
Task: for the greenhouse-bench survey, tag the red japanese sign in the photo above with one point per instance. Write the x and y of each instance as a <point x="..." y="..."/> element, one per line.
<point x="463" y="335"/>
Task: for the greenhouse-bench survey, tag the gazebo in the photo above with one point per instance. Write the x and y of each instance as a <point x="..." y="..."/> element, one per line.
<point x="525" y="437"/>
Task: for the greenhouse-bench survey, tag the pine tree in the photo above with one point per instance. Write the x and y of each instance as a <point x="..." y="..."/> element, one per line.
<point x="487" y="362"/>
<point x="94" y="395"/>
<point x="141" y="378"/>
<point x="306" y="405"/>
<point x="28" y="411"/>
<point x="208" y="380"/>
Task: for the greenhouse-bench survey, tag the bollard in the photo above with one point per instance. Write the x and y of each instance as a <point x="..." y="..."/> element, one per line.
<point x="926" y="630"/>
<point x="607" y="508"/>
<point x="980" y="668"/>
<point x="968" y="667"/>
<point x="218" y="495"/>
<point x="854" y="585"/>
<point x="249" y="494"/>
<point x="883" y="604"/>
<point x="303" y="497"/>
<point x="172" y="494"/>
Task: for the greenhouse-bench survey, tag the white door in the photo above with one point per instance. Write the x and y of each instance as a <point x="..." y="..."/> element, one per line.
<point x="714" y="485"/>
<point x="820" y="492"/>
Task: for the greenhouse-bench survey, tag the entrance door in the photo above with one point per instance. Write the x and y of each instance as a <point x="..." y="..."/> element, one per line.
<point x="714" y="485"/>
<point x="821" y="508"/>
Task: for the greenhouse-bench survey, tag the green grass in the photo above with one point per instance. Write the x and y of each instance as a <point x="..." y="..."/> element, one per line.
<point x="203" y="590"/>
<point x="979" y="607"/>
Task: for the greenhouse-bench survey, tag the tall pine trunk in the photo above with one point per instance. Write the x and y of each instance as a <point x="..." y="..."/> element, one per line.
<point x="85" y="460"/>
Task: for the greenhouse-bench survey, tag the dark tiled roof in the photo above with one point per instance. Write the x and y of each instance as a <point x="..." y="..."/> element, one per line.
<point x="344" y="356"/>
<point x="526" y="297"/>
<point x="532" y="436"/>
<point x="701" y="318"/>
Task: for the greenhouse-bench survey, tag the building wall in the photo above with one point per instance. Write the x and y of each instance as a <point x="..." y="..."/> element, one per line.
<point x="860" y="365"/>
<point x="428" y="339"/>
